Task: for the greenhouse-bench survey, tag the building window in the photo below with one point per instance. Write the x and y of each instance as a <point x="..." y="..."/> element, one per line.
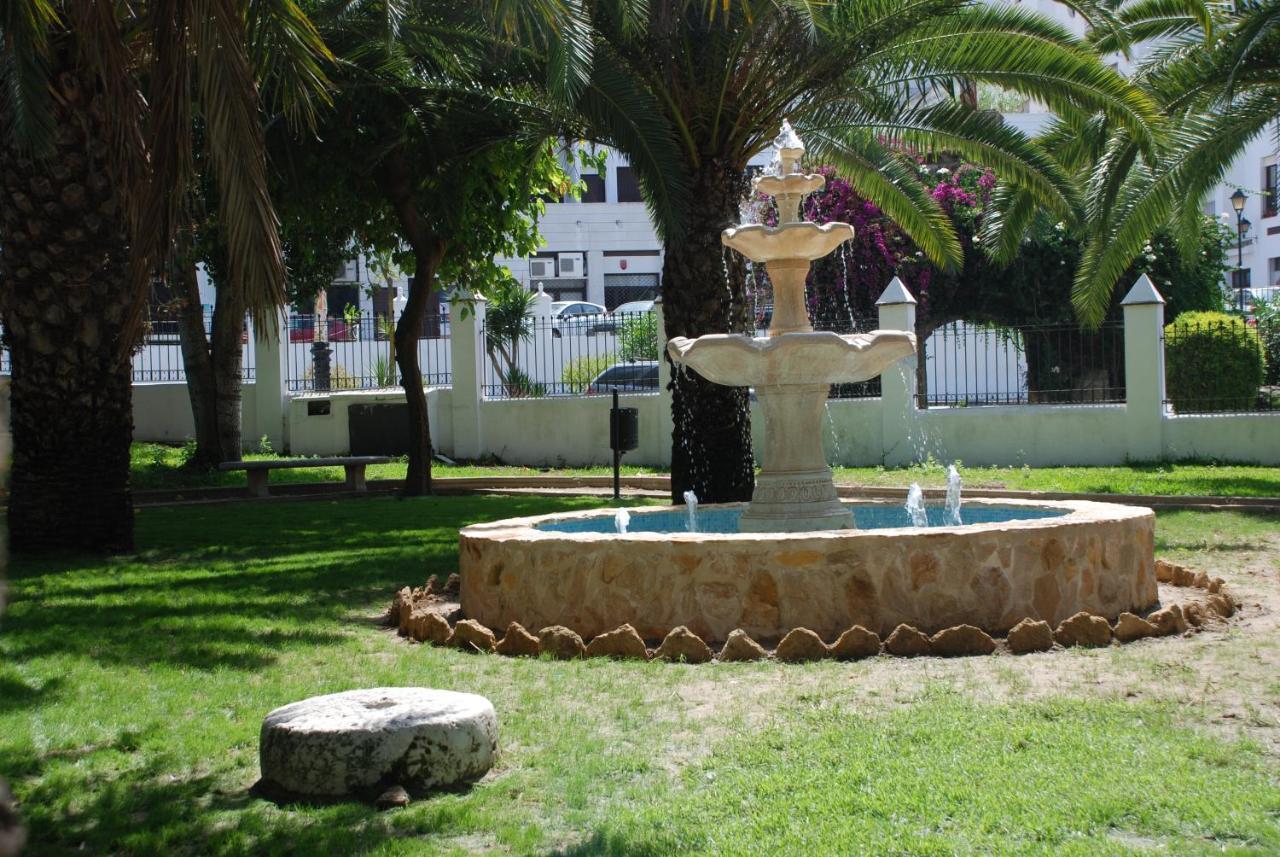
<point x="628" y="187"/>
<point x="1271" y="185"/>
<point x="594" y="190"/>
<point x="1274" y="271"/>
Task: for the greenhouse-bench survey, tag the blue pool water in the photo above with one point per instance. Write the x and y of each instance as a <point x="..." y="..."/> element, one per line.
<point x="726" y="520"/>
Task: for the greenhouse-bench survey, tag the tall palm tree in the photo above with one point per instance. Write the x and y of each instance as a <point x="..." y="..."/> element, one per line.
<point x="1216" y="73"/>
<point x="691" y="90"/>
<point x="97" y="152"/>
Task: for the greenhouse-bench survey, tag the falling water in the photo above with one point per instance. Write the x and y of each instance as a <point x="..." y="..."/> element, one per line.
<point x="836" y="459"/>
<point x="915" y="506"/>
<point x="621" y="520"/>
<point x="691" y="504"/>
<point x="953" y="495"/>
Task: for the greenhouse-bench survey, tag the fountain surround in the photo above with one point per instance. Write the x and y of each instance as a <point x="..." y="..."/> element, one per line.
<point x="793" y="367"/>
<point x="794" y="557"/>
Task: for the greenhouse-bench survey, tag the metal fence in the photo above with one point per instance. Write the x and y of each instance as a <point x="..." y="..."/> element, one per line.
<point x="353" y="352"/>
<point x="843" y="320"/>
<point x="583" y="355"/>
<point x="1049" y="364"/>
<point x="1215" y="366"/>
<point x="159" y="355"/>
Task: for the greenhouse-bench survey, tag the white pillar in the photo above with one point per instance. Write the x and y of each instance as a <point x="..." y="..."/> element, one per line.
<point x="1144" y="370"/>
<point x="541" y="307"/>
<point x="595" y="276"/>
<point x="661" y="441"/>
<point x="269" y="385"/>
<point x="897" y="310"/>
<point x="466" y="350"/>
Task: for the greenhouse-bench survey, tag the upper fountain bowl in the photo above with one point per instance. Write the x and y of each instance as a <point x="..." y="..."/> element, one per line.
<point x="795" y="183"/>
<point x="814" y="358"/>
<point x="799" y="241"/>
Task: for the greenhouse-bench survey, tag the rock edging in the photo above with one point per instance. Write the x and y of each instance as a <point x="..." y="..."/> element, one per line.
<point x="424" y="615"/>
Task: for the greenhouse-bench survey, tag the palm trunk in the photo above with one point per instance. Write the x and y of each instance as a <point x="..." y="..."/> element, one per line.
<point x="704" y="291"/>
<point x="226" y="347"/>
<point x="64" y="298"/>
<point x="198" y="364"/>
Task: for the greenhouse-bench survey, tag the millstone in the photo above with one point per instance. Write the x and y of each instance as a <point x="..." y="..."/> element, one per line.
<point x="346" y="743"/>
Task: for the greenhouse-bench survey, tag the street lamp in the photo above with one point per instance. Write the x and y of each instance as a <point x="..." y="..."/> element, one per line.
<point x="1237" y="202"/>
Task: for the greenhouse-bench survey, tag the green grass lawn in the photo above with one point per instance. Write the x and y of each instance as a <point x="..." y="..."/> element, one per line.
<point x="132" y="690"/>
<point x="159" y="466"/>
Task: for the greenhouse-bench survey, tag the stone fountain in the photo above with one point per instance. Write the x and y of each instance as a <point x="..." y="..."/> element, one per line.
<point x="794" y="557"/>
<point x="794" y="366"/>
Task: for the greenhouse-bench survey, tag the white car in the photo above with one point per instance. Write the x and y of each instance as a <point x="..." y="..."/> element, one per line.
<point x="633" y="307"/>
<point x="577" y="317"/>
<point x="565" y="310"/>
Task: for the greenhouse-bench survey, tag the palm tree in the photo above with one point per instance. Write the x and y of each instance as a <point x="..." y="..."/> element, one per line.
<point x="1217" y="76"/>
<point x="98" y="159"/>
<point x="691" y="90"/>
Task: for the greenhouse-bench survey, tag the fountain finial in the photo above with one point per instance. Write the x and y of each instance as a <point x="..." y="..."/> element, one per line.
<point x="789" y="147"/>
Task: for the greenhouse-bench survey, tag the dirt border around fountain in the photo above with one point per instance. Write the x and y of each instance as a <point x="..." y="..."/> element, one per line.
<point x="1095" y="558"/>
<point x="431" y="614"/>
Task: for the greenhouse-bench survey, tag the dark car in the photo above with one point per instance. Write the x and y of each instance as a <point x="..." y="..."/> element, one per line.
<point x="638" y="377"/>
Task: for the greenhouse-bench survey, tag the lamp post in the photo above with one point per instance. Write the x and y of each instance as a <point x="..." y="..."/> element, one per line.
<point x="1237" y="202"/>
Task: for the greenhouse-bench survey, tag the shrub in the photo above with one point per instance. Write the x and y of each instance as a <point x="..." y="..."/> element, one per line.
<point x="1268" y="315"/>
<point x="580" y="372"/>
<point x="638" y="338"/>
<point x="1213" y="362"/>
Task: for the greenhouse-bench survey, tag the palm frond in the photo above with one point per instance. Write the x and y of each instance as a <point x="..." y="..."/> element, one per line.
<point x="24" y="73"/>
<point x="229" y="107"/>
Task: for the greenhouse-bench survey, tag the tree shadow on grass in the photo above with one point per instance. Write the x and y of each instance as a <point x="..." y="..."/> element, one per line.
<point x="234" y="586"/>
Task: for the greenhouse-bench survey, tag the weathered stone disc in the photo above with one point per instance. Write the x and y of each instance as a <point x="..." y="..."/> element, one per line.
<point x="346" y="743"/>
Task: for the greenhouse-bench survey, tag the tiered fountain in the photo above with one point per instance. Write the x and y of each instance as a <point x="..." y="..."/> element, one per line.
<point x="797" y="556"/>
<point x="792" y="369"/>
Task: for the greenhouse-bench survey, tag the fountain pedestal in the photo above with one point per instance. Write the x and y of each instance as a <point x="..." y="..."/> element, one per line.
<point x="795" y="490"/>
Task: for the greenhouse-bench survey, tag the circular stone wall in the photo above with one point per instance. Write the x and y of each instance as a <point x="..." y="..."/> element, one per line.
<point x="1098" y="558"/>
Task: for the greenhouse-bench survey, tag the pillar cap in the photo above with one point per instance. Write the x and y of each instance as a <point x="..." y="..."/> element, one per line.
<point x="895" y="293"/>
<point x="1143" y="293"/>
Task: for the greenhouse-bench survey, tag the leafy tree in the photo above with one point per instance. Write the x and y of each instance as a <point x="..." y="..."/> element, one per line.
<point x="436" y="127"/>
<point x="690" y="90"/>
<point x="98" y="160"/>
<point x="638" y="338"/>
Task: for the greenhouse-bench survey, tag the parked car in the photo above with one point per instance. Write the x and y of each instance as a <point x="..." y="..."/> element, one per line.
<point x="633" y="307"/>
<point x="638" y="377"/>
<point x="578" y="317"/>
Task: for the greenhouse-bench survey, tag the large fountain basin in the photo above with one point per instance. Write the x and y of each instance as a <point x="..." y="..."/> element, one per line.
<point x="1061" y="558"/>
<point x="788" y="242"/>
<point x="794" y="359"/>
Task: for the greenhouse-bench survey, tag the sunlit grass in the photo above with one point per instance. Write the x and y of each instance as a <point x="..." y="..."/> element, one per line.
<point x="132" y="689"/>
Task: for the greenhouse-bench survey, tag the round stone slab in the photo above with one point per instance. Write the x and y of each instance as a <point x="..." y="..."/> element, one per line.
<point x="344" y="743"/>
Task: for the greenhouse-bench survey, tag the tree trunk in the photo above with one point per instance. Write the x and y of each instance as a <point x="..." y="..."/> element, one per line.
<point x="226" y="347"/>
<point x="64" y="298"/>
<point x="396" y="181"/>
<point x="214" y="365"/>
<point x="704" y="291"/>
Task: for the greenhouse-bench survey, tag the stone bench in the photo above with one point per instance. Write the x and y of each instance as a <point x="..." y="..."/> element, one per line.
<point x="353" y="464"/>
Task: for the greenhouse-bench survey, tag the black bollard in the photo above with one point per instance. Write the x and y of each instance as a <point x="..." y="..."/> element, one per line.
<point x="624" y="436"/>
<point x="320" y="352"/>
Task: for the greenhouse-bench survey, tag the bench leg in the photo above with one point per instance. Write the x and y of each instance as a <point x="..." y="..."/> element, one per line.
<point x="257" y="483"/>
<point x="355" y="478"/>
